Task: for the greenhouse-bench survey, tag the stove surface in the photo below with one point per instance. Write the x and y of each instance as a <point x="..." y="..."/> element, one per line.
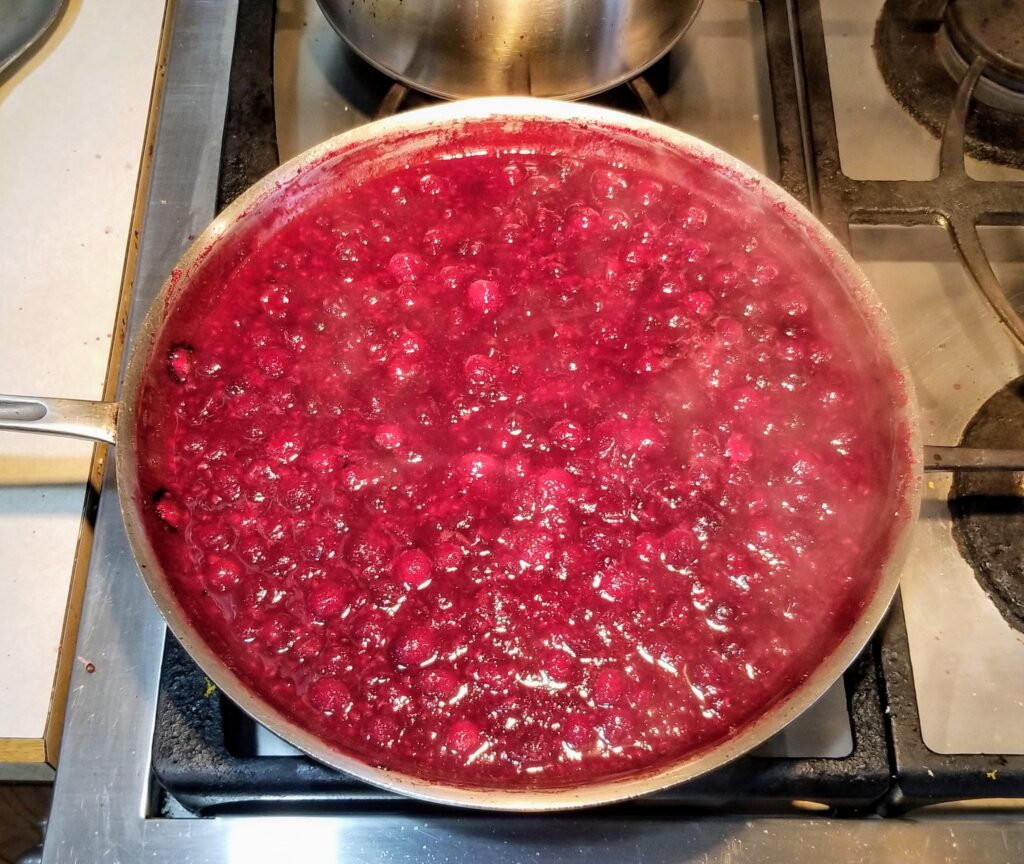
<point x="968" y="663"/>
<point x="864" y="105"/>
<point x="321" y="88"/>
<point x="940" y="688"/>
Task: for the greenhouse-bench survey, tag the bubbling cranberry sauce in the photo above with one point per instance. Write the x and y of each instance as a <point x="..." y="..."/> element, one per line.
<point x="522" y="468"/>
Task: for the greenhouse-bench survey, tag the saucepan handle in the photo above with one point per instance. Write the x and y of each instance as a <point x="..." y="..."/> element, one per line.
<point x="72" y="418"/>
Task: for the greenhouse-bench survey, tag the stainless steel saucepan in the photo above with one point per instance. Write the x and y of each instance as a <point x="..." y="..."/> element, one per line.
<point x="399" y="138"/>
<point x="557" y="48"/>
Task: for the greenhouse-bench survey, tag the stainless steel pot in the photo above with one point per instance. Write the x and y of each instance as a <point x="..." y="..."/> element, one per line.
<point x="561" y="48"/>
<point x="399" y="137"/>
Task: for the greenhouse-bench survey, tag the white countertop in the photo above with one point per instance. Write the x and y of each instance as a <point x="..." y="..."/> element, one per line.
<point x="72" y="128"/>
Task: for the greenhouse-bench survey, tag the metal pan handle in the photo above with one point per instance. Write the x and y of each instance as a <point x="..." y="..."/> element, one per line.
<point x="972" y="459"/>
<point x="72" y="418"/>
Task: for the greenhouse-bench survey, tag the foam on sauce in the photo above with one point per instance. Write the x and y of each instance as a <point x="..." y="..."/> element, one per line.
<point x="521" y="468"/>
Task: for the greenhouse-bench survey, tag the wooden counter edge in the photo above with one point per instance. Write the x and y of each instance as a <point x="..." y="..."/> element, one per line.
<point x="20" y="756"/>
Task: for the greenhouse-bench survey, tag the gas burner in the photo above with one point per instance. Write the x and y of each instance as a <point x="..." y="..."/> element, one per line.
<point x="641" y="94"/>
<point x="992" y="31"/>
<point x="988" y="507"/>
<point x="924" y="48"/>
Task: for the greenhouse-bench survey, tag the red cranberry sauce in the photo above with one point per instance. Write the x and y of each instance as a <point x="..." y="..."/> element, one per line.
<point x="522" y="470"/>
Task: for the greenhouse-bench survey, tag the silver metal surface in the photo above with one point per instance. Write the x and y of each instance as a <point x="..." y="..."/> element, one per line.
<point x="101" y="793"/>
<point x="563" y="48"/>
<point x="73" y="418"/>
<point x="989" y="90"/>
<point x="438" y="837"/>
<point x="23" y="23"/>
<point x="972" y="459"/>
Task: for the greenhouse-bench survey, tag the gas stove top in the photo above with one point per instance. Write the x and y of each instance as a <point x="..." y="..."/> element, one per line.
<point x="809" y="92"/>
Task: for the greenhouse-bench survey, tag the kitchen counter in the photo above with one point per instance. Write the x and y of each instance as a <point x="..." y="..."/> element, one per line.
<point x="74" y="116"/>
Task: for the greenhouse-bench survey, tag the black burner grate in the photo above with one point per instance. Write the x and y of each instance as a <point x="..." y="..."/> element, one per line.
<point x="203" y="757"/>
<point x="918" y="58"/>
<point x="988" y="507"/>
<point x="958" y="203"/>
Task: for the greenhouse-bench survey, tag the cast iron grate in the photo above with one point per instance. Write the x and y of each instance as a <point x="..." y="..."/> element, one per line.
<point x="988" y="506"/>
<point x="958" y="203"/>
<point x="203" y="746"/>
<point x="911" y="41"/>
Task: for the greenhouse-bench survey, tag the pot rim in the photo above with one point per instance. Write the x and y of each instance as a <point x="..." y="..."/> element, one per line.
<point x="516" y="110"/>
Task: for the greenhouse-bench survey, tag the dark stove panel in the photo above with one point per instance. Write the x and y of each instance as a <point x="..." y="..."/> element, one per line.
<point x="204" y="758"/>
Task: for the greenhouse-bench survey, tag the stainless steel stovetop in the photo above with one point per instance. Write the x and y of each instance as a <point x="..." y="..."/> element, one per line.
<point x="967" y="661"/>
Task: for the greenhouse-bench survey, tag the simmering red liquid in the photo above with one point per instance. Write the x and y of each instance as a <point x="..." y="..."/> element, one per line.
<point x="522" y="468"/>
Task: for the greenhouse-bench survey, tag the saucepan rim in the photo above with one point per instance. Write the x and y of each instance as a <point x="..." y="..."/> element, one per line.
<point x="517" y="110"/>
